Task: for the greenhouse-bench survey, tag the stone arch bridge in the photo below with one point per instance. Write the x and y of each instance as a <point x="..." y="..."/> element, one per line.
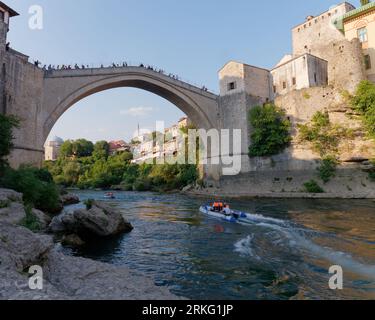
<point x="48" y="94"/>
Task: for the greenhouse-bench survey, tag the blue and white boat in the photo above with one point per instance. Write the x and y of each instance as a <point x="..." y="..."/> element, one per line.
<point x="227" y="215"/>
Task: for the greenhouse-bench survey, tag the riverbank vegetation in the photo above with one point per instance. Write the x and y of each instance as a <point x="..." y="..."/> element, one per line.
<point x="7" y="124"/>
<point x="86" y="165"/>
<point x="36" y="185"/>
<point x="323" y="135"/>
<point x="363" y="102"/>
<point x="327" y="170"/>
<point x="313" y="187"/>
<point x="270" y="131"/>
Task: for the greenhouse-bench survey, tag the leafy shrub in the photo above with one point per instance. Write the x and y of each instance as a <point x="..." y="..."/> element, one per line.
<point x="313" y="187"/>
<point x="36" y="192"/>
<point x="364" y="103"/>
<point x="328" y="169"/>
<point x="30" y="221"/>
<point x="88" y="203"/>
<point x="324" y="136"/>
<point x="270" y="131"/>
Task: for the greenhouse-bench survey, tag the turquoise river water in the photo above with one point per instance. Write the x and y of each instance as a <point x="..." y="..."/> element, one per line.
<point x="285" y="254"/>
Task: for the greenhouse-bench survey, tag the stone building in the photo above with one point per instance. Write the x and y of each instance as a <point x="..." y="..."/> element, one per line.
<point x="172" y="142"/>
<point x="360" y="24"/>
<point x="304" y="71"/>
<point x="118" y="147"/>
<point x="322" y="55"/>
<point x="52" y="149"/>
<point x="316" y="31"/>
<point x="5" y="14"/>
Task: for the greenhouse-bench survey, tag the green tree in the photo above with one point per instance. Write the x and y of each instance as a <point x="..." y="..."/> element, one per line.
<point x="82" y="148"/>
<point x="71" y="172"/>
<point x="7" y="124"/>
<point x="364" y="2"/>
<point x="66" y="149"/>
<point x="270" y="131"/>
<point x="101" y="150"/>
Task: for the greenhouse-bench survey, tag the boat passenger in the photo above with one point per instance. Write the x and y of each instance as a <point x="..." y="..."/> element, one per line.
<point x="227" y="210"/>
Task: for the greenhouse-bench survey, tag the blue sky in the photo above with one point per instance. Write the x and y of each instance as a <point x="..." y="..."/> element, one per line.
<point x="192" y="38"/>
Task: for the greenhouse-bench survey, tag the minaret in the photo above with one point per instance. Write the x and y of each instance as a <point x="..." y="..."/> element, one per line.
<point x="5" y="14"/>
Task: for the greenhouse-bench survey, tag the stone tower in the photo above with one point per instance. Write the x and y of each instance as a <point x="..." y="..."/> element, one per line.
<point x="242" y="87"/>
<point x="5" y="14"/>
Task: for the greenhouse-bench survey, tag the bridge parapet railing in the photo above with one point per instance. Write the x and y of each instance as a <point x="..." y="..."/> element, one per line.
<point x="59" y="70"/>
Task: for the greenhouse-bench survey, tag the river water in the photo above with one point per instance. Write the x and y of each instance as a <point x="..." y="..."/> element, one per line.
<point x="285" y="254"/>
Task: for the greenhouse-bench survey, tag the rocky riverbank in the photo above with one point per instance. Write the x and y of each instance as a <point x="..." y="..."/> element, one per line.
<point x="64" y="277"/>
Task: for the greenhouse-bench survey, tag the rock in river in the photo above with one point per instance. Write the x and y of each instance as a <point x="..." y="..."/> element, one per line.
<point x="100" y="221"/>
<point x="68" y="199"/>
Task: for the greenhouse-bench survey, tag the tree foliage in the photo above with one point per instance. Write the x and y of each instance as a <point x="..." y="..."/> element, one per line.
<point x="7" y="124"/>
<point x="102" y="170"/>
<point x="327" y="170"/>
<point x="36" y="186"/>
<point x="77" y="148"/>
<point x="270" y="131"/>
<point x="364" y="103"/>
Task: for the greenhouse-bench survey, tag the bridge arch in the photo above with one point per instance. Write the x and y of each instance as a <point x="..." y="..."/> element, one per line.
<point x="64" y="88"/>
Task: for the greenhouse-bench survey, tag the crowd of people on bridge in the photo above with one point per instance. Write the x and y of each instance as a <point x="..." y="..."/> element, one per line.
<point x="76" y="66"/>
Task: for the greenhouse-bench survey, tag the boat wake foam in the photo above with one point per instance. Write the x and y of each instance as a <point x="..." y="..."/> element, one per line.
<point x="299" y="238"/>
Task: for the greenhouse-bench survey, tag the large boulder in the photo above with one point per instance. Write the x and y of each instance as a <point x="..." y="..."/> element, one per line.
<point x="43" y="219"/>
<point x="12" y="212"/>
<point x="69" y="199"/>
<point x="64" y="277"/>
<point x="99" y="221"/>
<point x="86" y="279"/>
<point x="11" y="206"/>
<point x="21" y="248"/>
<point x="10" y="195"/>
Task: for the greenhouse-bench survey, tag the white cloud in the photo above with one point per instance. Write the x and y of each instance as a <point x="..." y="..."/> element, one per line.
<point x="137" y="111"/>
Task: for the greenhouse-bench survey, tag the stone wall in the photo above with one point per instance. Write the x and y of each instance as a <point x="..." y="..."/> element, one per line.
<point x="3" y="36"/>
<point x="245" y="78"/>
<point x="315" y="32"/>
<point x="23" y="98"/>
<point x="283" y="175"/>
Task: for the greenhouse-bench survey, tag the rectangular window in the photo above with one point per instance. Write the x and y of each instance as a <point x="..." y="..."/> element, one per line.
<point x="284" y="85"/>
<point x="362" y="35"/>
<point x="294" y="81"/>
<point x="315" y="78"/>
<point x="231" y="86"/>
<point x="367" y="62"/>
<point x="274" y="89"/>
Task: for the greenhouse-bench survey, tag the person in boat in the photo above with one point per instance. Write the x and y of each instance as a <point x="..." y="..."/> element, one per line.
<point x="110" y="195"/>
<point x="218" y="206"/>
<point x="227" y="210"/>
